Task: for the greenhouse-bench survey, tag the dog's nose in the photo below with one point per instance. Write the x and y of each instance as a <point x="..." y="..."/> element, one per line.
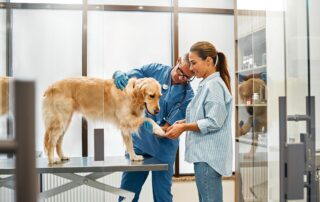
<point x="156" y="111"/>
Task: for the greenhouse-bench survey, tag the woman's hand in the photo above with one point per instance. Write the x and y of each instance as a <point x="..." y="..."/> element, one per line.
<point x="180" y="121"/>
<point x="174" y="131"/>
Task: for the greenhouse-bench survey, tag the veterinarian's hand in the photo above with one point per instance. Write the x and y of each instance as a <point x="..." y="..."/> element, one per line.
<point x="120" y="79"/>
<point x="147" y="126"/>
<point x="174" y="131"/>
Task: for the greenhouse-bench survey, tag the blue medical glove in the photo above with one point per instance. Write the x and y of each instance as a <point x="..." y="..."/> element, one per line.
<point x="147" y="126"/>
<point x="120" y="79"/>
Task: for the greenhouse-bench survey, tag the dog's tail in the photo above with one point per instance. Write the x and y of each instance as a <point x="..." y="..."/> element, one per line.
<point x="48" y="110"/>
<point x="49" y="92"/>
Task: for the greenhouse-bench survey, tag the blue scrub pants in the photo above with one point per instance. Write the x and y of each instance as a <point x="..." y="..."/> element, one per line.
<point x="161" y="182"/>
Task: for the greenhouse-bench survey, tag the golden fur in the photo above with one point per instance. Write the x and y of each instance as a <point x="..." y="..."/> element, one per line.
<point x="257" y="119"/>
<point x="98" y="99"/>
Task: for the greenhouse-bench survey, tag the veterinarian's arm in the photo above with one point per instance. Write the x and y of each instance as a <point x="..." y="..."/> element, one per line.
<point x="149" y="70"/>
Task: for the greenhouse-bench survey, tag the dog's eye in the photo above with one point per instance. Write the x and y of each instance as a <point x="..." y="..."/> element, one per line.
<point x="151" y="96"/>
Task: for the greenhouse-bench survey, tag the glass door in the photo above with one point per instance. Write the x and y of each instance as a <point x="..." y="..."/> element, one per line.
<point x="301" y="35"/>
<point x="277" y="57"/>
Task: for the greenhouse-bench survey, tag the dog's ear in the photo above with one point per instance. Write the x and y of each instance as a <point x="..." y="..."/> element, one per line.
<point x="137" y="86"/>
<point x="131" y="85"/>
<point x="140" y="85"/>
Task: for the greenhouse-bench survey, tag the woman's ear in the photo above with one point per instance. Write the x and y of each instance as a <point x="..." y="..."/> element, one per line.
<point x="209" y="61"/>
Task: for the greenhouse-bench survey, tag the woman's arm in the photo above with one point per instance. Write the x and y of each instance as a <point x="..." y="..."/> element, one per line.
<point x="177" y="129"/>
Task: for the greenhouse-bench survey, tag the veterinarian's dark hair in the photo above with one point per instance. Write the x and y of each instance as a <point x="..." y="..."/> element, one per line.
<point x="205" y="49"/>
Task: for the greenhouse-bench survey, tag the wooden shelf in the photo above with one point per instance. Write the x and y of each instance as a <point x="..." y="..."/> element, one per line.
<point x="255" y="69"/>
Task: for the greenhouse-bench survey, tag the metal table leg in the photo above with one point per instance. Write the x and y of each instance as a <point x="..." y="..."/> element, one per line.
<point x="89" y="180"/>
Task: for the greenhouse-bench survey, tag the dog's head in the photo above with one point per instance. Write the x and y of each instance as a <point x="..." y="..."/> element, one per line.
<point x="147" y="91"/>
<point x="250" y="86"/>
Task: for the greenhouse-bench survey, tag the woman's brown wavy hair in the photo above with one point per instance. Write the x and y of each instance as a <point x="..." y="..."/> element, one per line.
<point x="205" y="49"/>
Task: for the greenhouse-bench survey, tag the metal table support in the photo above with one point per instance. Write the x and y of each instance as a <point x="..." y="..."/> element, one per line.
<point x="70" y="169"/>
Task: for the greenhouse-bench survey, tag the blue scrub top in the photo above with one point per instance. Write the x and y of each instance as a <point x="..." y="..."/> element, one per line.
<point x="173" y="104"/>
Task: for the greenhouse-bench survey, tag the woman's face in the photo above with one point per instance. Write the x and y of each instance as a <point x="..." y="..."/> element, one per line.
<point x="197" y="65"/>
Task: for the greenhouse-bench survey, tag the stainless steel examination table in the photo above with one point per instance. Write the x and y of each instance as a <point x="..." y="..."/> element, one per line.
<point x="97" y="169"/>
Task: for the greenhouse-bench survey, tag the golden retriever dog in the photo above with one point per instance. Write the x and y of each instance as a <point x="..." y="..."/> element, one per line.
<point x="257" y="120"/>
<point x="98" y="99"/>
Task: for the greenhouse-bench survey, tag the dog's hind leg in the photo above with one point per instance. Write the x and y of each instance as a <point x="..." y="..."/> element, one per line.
<point x="52" y="135"/>
<point x="62" y="157"/>
<point x="127" y="139"/>
<point x="59" y="143"/>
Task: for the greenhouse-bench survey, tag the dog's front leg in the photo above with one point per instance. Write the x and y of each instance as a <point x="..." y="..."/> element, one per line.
<point x="156" y="128"/>
<point x="127" y="139"/>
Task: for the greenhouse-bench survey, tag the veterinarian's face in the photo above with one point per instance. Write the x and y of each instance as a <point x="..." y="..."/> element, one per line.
<point x="152" y="94"/>
<point x="181" y="73"/>
<point x="199" y="66"/>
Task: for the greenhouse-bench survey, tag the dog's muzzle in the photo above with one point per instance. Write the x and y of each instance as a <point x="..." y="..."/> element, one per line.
<point x="155" y="111"/>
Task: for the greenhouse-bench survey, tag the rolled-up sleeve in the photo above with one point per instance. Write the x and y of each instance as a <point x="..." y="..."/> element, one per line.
<point x="213" y="106"/>
<point x="215" y="116"/>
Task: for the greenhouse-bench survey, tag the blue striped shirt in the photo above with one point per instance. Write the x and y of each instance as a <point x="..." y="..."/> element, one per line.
<point x="211" y="109"/>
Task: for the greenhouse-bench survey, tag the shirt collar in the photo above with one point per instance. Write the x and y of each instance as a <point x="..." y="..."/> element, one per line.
<point x="212" y="76"/>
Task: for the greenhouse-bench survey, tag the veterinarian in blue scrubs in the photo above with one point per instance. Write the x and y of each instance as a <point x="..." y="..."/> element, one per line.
<point x="176" y="95"/>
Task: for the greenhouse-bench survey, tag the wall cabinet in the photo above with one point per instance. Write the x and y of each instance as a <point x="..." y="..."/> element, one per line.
<point x="251" y="105"/>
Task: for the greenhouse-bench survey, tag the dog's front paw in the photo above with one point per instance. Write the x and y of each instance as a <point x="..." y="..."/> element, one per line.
<point x="158" y="131"/>
<point x="136" y="157"/>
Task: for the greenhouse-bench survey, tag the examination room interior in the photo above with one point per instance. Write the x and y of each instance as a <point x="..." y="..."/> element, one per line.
<point x="271" y="47"/>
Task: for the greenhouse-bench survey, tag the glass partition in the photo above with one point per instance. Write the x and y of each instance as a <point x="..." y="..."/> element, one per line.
<point x="122" y="41"/>
<point x="283" y="56"/>
<point x="47" y="48"/>
<point x="3" y="37"/>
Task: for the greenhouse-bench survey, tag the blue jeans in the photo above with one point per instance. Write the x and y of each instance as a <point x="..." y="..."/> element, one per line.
<point x="209" y="183"/>
<point x="161" y="182"/>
